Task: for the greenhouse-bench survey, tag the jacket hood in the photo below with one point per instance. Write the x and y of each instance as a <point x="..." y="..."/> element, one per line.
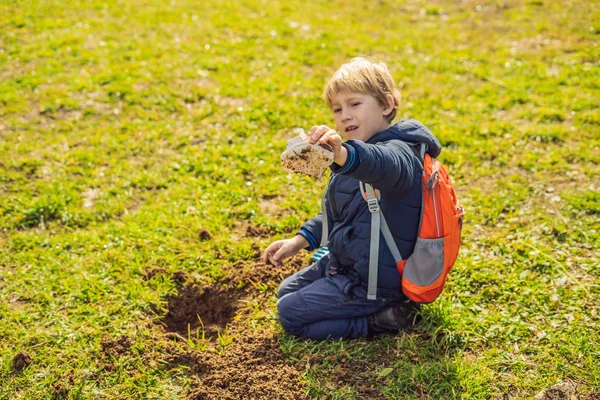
<point x="410" y="131"/>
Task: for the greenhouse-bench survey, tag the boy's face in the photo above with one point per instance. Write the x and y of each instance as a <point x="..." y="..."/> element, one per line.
<point x="358" y="116"/>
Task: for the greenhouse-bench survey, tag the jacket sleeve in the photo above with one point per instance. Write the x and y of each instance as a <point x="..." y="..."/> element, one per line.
<point x="311" y="231"/>
<point x="389" y="166"/>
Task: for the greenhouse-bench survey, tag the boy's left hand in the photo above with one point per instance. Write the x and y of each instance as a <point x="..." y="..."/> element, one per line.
<point x="324" y="134"/>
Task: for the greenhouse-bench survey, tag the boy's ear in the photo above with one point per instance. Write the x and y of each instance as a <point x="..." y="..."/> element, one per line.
<point x="390" y="104"/>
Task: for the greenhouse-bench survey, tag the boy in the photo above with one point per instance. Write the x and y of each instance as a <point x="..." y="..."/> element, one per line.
<point x="329" y="298"/>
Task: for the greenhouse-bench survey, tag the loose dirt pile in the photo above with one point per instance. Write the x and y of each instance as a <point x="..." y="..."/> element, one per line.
<point x="251" y="368"/>
<point x="116" y="348"/>
<point x="234" y="353"/>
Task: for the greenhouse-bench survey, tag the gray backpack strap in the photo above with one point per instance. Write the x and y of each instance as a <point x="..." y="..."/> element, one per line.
<point x="324" y="227"/>
<point x="378" y="223"/>
<point x="370" y="195"/>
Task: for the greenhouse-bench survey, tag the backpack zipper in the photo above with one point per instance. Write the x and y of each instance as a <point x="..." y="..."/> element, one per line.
<point x="435" y="190"/>
<point x="437" y="225"/>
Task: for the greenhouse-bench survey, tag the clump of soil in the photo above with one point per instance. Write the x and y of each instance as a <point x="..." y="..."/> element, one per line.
<point x="208" y="309"/>
<point x="561" y="391"/>
<point x="152" y="272"/>
<point x="179" y="277"/>
<point x="204" y="235"/>
<point x="21" y="361"/>
<point x="252" y="368"/>
<point x="63" y="386"/>
<point x="116" y="348"/>
<point x="259" y="231"/>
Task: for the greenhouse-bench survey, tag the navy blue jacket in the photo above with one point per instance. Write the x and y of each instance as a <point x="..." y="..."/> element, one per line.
<point x="389" y="163"/>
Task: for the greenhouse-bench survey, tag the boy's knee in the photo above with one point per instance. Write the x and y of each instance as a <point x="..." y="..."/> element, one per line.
<point x="288" y="285"/>
<point x="288" y="310"/>
<point x="283" y="290"/>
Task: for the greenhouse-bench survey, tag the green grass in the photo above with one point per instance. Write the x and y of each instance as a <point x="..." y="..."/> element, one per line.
<point x="126" y="128"/>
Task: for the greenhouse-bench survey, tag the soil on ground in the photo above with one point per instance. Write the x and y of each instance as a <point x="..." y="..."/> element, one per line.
<point x="561" y="391"/>
<point x="63" y="386"/>
<point x="201" y="312"/>
<point x="21" y="361"/>
<point x="152" y="272"/>
<point x="252" y="366"/>
<point x="115" y="348"/>
<point x="204" y="235"/>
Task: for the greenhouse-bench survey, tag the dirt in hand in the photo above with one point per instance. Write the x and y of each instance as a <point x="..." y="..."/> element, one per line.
<point x="311" y="162"/>
<point x="304" y="158"/>
<point x="21" y="361"/>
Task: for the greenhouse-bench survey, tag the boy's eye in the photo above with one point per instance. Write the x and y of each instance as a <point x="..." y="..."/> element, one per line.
<point x="337" y="110"/>
<point x="355" y="104"/>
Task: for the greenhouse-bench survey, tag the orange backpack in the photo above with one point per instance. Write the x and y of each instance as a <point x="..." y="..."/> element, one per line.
<point x="436" y="249"/>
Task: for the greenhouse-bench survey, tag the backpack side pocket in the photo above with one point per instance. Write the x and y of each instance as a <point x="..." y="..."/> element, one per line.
<point x="421" y="276"/>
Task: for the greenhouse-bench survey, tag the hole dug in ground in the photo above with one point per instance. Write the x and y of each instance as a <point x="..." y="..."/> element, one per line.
<point x="200" y="312"/>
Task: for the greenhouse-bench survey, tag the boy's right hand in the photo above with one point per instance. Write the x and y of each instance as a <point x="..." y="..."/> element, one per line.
<point x="282" y="249"/>
<point x="324" y="134"/>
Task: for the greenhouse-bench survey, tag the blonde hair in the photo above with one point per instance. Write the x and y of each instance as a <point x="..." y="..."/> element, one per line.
<point x="361" y="75"/>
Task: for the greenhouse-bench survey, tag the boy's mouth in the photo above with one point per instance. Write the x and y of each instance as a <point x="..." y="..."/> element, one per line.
<point x="351" y="128"/>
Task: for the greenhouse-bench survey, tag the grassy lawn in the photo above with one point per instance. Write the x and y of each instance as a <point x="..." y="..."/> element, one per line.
<point x="140" y="179"/>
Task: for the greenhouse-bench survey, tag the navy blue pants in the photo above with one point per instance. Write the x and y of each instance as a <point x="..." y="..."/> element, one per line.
<point x="319" y="304"/>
